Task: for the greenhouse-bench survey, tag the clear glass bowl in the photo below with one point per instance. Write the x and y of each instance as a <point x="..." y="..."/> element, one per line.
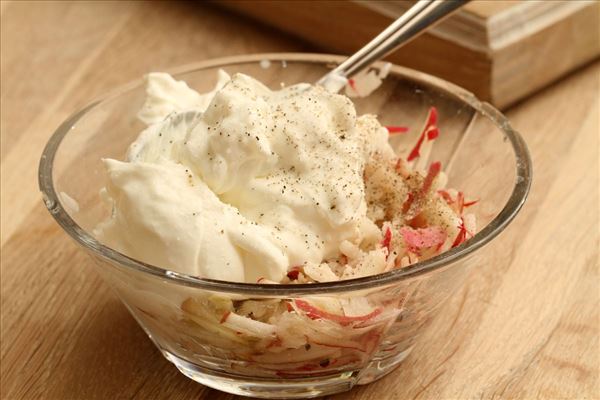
<point x="182" y="314"/>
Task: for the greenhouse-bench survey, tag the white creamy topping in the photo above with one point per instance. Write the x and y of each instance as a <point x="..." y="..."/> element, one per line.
<point x="241" y="183"/>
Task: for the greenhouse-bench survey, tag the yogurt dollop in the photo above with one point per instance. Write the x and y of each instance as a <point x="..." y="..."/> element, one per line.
<point x="243" y="182"/>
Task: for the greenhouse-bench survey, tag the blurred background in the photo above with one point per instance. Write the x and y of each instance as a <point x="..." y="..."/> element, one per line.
<point x="500" y="50"/>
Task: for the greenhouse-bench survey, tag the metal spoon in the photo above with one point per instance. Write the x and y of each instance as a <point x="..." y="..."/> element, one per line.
<point x="417" y="19"/>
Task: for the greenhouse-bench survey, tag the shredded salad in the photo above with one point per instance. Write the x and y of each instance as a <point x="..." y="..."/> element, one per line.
<point x="418" y="218"/>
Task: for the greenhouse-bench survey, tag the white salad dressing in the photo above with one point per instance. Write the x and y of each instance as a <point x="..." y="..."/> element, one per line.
<point x="243" y="182"/>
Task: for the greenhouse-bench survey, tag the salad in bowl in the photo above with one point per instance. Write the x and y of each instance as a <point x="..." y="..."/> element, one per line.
<point x="275" y="239"/>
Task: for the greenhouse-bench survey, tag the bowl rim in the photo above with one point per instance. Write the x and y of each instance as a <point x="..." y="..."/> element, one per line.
<point x="446" y="259"/>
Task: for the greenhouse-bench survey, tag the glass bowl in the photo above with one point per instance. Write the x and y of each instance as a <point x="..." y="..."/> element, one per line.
<point x="313" y="354"/>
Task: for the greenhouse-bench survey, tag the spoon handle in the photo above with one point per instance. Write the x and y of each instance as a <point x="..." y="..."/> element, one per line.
<point x="409" y="25"/>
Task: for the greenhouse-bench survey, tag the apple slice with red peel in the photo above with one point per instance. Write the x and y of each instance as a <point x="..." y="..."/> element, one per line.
<point x="315" y="313"/>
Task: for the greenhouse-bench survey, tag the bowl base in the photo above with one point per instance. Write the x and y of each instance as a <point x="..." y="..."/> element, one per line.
<point x="263" y="387"/>
<point x="380" y="367"/>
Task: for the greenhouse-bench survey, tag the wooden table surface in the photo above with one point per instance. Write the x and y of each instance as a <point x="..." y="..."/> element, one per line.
<point x="525" y="327"/>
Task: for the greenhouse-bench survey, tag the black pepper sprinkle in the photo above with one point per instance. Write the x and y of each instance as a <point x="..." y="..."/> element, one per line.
<point x="324" y="363"/>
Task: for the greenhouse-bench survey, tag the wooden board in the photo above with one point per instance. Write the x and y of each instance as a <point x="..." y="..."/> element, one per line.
<point x="500" y="50"/>
<point x="523" y="327"/>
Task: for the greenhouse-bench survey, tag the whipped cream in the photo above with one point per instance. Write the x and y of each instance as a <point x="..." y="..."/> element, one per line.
<point x="241" y="183"/>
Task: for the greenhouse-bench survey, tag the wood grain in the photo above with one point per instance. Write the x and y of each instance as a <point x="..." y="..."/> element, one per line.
<point x="486" y="9"/>
<point x="525" y="327"/>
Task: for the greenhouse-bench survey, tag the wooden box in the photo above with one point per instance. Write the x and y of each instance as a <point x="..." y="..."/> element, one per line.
<point x="500" y="50"/>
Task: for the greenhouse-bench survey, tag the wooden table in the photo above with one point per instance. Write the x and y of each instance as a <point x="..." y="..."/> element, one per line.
<point x="525" y="327"/>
